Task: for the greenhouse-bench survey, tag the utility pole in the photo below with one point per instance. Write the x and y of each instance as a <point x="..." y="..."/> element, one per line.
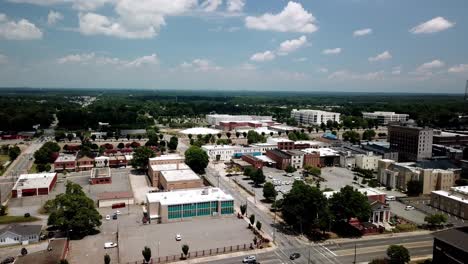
<point x="354" y="262"/>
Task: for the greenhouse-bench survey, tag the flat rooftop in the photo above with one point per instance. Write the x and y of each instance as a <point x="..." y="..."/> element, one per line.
<point x="211" y="147"/>
<point x="456" y="237"/>
<point x="179" y="175"/>
<point x="200" y="131"/>
<point x="168" y="167"/>
<point x="365" y="191"/>
<point x="265" y="159"/>
<point x="33" y="181"/>
<point x="100" y="173"/>
<point x="324" y="152"/>
<point x="189" y="196"/>
<point x="168" y="157"/>
<point x="65" y="158"/>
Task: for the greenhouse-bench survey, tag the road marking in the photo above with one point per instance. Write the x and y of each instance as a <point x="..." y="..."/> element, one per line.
<point x="333" y="253"/>
<point x="365" y="250"/>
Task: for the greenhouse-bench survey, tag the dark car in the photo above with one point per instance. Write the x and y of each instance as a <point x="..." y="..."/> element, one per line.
<point x="8" y="260"/>
<point x="114" y="217"/>
<point x="294" y="256"/>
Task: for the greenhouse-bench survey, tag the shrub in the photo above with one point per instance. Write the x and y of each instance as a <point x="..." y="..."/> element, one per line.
<point x="26" y="215"/>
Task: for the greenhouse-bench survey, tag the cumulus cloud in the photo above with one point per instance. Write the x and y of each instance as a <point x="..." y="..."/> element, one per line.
<point x="428" y="66"/>
<point x="235" y="5"/>
<point x="381" y="57"/>
<point x="18" y="30"/>
<point x="211" y="5"/>
<point x="289" y="46"/>
<point x="263" y="56"/>
<point x="432" y="26"/>
<point x="200" y="65"/>
<point x="54" y="17"/>
<point x="83" y="5"/>
<point x="332" y="51"/>
<point x="347" y="75"/>
<point x="461" y="68"/>
<point x="362" y="32"/>
<point x="3" y="59"/>
<point x="293" y="18"/>
<point x="91" y="58"/>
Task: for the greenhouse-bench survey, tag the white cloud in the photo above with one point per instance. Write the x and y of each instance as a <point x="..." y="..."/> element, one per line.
<point x="38" y="2"/>
<point x="54" y="17"/>
<point x="362" y="32"/>
<point x="18" y="30"/>
<point x="347" y="75"/>
<point x="263" y="56"/>
<point x="432" y="26"/>
<point x="95" y="24"/>
<point x="428" y="66"/>
<point x="301" y="59"/>
<point x="211" y="5"/>
<point x="235" y="5"/>
<point x="322" y="70"/>
<point x="293" y="18"/>
<point x="332" y="51"/>
<point x="459" y="68"/>
<point x="289" y="46"/>
<point x="396" y="70"/>
<point x="200" y="65"/>
<point x="3" y="59"/>
<point x="76" y="58"/>
<point x="381" y="57"/>
<point x="91" y="58"/>
<point x="83" y="5"/>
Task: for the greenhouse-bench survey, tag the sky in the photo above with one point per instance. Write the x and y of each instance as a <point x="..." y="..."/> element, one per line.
<point x="417" y="46"/>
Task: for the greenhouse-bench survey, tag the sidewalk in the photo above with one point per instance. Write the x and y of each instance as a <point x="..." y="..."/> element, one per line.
<point x="229" y="255"/>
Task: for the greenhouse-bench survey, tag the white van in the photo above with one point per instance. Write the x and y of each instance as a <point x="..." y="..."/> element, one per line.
<point x="390" y="198"/>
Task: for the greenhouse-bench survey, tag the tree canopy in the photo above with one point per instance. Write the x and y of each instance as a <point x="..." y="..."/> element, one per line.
<point x="196" y="159"/>
<point x="414" y="188"/>
<point x="269" y="191"/>
<point x="348" y="203"/>
<point x="141" y="156"/>
<point x="398" y="254"/>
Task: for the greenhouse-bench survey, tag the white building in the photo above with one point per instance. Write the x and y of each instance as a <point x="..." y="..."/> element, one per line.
<point x="297" y="158"/>
<point x="386" y="117"/>
<point x="215" y="119"/>
<point x="314" y="117"/>
<point x="367" y="162"/>
<point x="227" y="152"/>
<point x="200" y="131"/>
<point x="101" y="161"/>
<point x="16" y="234"/>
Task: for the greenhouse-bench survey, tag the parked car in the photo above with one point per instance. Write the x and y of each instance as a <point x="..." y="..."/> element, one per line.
<point x="117" y="212"/>
<point x="114" y="216"/>
<point x="178" y="237"/>
<point x="110" y="245"/>
<point x="294" y="256"/>
<point x="390" y="198"/>
<point x="409" y="207"/>
<point x="108" y="217"/>
<point x="8" y="260"/>
<point x="249" y="259"/>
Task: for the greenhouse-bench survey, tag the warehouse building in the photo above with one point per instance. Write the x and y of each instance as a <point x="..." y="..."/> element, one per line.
<point x="215" y="119"/>
<point x="34" y="184"/>
<point x="164" y="163"/>
<point x="115" y="199"/>
<point x="179" y="179"/>
<point x="384" y="118"/>
<point x="164" y="207"/>
<point x="453" y="201"/>
<point x="314" y="117"/>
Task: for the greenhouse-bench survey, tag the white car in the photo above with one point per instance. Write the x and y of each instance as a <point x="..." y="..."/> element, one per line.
<point x="249" y="259"/>
<point x="178" y="237"/>
<point x="409" y="207"/>
<point x="270" y="177"/>
<point x="117" y="212"/>
<point x="108" y="217"/>
<point x="297" y="178"/>
<point x="110" y="245"/>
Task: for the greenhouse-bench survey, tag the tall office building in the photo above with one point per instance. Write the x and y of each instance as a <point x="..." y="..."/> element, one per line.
<point x="412" y="143"/>
<point x="314" y="117"/>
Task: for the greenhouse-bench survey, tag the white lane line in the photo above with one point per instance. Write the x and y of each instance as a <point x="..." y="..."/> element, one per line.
<point x="327" y="249"/>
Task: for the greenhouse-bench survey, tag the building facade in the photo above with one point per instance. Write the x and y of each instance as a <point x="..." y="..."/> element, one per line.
<point x="385" y="118"/>
<point x="164" y="207"/>
<point x="367" y="162"/>
<point x="179" y="179"/>
<point x="453" y="201"/>
<point x="450" y="139"/>
<point x="215" y="119"/>
<point x="412" y="143"/>
<point x="16" y="234"/>
<point x="100" y="176"/>
<point x="34" y="184"/>
<point x="65" y="162"/>
<point x="164" y="163"/>
<point x="314" y="117"/>
<point x="450" y="246"/>
<point x="281" y="158"/>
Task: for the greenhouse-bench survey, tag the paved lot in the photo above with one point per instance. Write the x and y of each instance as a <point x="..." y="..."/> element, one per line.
<point x="414" y="216"/>
<point x="198" y="234"/>
<point x="425" y="207"/>
<point x="140" y="185"/>
<point x="13" y="251"/>
<point x="337" y="177"/>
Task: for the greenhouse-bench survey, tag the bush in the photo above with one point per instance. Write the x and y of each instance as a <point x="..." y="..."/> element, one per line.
<point x="3" y="210"/>
<point x="26" y="215"/>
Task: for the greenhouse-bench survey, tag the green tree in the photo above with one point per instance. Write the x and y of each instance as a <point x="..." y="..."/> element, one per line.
<point x="398" y="254"/>
<point x="185" y="250"/>
<point x="303" y="206"/>
<point x="290" y="169"/>
<point x="269" y="191"/>
<point x="243" y="209"/>
<point x="254" y="137"/>
<point x="146" y="252"/>
<point x="252" y="219"/>
<point x="258" y="225"/>
<point x="414" y="188"/>
<point x="24" y="251"/>
<point x="435" y="219"/>
<point x="292" y="136"/>
<point x="63" y="261"/>
<point x="121" y="145"/>
<point x="379" y="261"/>
<point x="107" y="259"/>
<point x="351" y="136"/>
<point x="348" y="203"/>
<point x="173" y="142"/>
<point x="14" y="152"/>
<point x="368" y="134"/>
<point x="196" y="159"/>
<point x="141" y="157"/>
<point x="312" y="170"/>
<point x="74" y="212"/>
<point x="257" y="177"/>
<point x="3" y="210"/>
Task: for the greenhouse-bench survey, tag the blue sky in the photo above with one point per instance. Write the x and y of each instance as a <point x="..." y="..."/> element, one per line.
<point x="308" y="45"/>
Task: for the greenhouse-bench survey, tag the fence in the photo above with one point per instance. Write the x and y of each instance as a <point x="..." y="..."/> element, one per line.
<point x="199" y="254"/>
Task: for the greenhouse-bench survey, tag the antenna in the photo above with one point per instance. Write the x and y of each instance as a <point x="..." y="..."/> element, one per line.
<point x="466" y="91"/>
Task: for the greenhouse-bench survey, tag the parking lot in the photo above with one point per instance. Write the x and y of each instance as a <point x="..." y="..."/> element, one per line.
<point x="414" y="215"/>
<point x="336" y="178"/>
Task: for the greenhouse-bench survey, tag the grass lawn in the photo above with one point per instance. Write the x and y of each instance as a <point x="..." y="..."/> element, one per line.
<point x="8" y="219"/>
<point x="33" y="168"/>
<point x="3" y="160"/>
